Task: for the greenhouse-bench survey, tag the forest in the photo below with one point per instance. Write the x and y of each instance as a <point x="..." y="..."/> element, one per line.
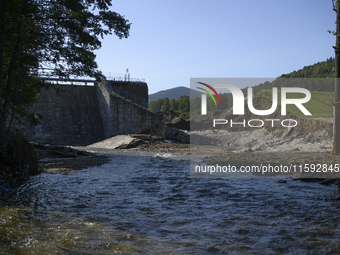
<point x="186" y="108"/>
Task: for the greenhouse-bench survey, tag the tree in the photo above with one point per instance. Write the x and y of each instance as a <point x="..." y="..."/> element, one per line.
<point x="158" y="105"/>
<point x="166" y="105"/>
<point x="336" y="124"/>
<point x="49" y="38"/>
<point x="183" y="103"/>
<point x="183" y="106"/>
<point x="173" y="105"/>
<point x="151" y="106"/>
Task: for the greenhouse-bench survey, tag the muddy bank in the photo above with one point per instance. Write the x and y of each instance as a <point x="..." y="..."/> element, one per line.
<point x="157" y="143"/>
<point x="251" y="147"/>
<point x="143" y="142"/>
<point x="57" y="159"/>
<point x="66" y="165"/>
<point x="296" y="149"/>
<point x="265" y="140"/>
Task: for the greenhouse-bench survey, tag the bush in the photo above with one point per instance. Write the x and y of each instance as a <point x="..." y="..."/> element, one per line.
<point x="184" y="115"/>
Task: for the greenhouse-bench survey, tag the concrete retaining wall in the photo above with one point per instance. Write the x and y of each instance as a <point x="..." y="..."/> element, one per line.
<point x="82" y="115"/>
<point x="120" y="116"/>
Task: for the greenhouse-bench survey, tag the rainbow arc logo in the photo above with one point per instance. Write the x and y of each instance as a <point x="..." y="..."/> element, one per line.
<point x="208" y="92"/>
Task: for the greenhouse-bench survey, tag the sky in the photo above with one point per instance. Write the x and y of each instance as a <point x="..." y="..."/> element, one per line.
<point x="172" y="41"/>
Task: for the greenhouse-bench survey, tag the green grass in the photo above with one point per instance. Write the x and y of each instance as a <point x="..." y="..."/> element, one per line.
<point x="320" y="104"/>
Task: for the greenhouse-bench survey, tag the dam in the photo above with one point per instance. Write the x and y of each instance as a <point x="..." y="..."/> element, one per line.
<point x="82" y="115"/>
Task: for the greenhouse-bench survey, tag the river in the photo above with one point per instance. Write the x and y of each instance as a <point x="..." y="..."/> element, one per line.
<point x="149" y="205"/>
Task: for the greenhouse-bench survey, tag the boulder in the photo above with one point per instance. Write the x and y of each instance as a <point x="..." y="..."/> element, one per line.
<point x="172" y="133"/>
<point x="171" y="120"/>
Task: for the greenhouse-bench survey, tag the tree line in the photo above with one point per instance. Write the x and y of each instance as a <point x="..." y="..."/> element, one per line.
<point x="181" y="106"/>
<point x="324" y="69"/>
<point x="186" y="108"/>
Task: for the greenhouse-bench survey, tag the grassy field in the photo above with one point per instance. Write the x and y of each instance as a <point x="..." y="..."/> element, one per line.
<point x="320" y="104"/>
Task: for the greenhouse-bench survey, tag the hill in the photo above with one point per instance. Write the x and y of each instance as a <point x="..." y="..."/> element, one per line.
<point x="322" y="90"/>
<point x="322" y="69"/>
<point x="174" y="93"/>
<point x="320" y="104"/>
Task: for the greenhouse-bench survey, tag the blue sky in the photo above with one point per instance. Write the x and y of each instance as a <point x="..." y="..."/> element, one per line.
<point x="173" y="41"/>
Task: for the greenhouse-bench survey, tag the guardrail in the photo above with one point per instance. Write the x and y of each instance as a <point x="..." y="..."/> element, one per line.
<point x="69" y="81"/>
<point x="86" y="81"/>
<point x="126" y="79"/>
<point x="112" y="88"/>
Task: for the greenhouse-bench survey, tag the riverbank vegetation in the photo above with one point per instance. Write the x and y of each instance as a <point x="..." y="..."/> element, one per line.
<point x="42" y="39"/>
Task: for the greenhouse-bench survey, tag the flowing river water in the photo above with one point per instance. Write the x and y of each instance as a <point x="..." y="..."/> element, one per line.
<point x="150" y="205"/>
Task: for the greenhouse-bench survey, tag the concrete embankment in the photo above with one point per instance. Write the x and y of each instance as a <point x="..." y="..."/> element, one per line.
<point x="83" y="115"/>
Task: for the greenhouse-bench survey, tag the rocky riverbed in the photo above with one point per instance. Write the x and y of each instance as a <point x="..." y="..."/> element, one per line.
<point x="237" y="148"/>
<point x="58" y="159"/>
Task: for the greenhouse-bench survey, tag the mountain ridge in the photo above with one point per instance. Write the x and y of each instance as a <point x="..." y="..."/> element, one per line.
<point x="174" y="93"/>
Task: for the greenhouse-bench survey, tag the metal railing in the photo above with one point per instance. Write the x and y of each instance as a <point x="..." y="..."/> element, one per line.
<point x="111" y="88"/>
<point x="69" y="81"/>
<point x="127" y="95"/>
<point x="126" y="79"/>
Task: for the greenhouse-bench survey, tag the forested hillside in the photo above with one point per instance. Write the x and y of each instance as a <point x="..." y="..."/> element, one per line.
<point x="322" y="69"/>
<point x="180" y="106"/>
<point x="319" y="70"/>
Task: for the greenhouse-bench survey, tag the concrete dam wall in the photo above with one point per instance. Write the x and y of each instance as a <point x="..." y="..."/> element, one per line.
<point x="82" y="115"/>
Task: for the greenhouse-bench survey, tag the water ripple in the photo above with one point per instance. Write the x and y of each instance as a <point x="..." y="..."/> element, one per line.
<point x="150" y="205"/>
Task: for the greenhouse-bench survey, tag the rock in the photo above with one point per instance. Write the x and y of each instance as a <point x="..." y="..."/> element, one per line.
<point x="179" y="123"/>
<point x="288" y="132"/>
<point x="244" y="150"/>
<point x="172" y="128"/>
<point x="116" y="142"/>
<point x="157" y="130"/>
<point x="171" y="120"/>
<point x="202" y="140"/>
<point x="172" y="133"/>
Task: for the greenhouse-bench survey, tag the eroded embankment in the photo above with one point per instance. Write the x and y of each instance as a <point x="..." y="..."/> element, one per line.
<point x="273" y="132"/>
<point x="59" y="159"/>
